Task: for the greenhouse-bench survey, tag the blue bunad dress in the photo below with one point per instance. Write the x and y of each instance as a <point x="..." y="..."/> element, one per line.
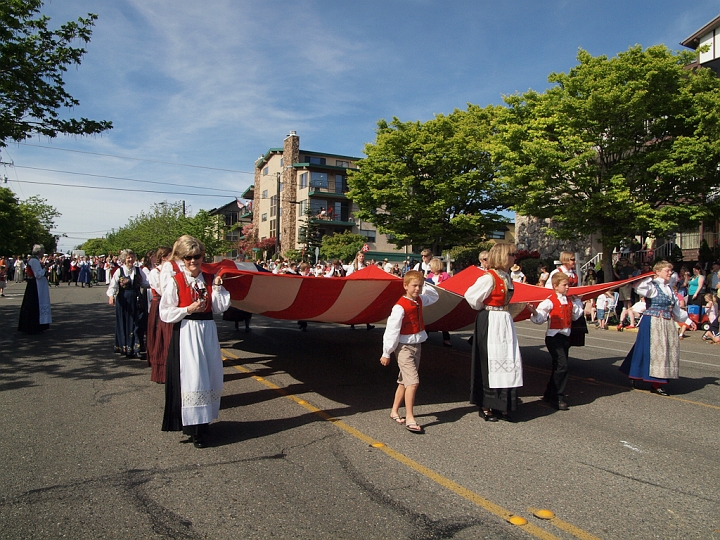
<point x="655" y="356"/>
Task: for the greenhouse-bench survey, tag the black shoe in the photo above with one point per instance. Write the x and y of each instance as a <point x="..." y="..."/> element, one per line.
<point x="199" y="442"/>
<point x="370" y="326"/>
<point x="561" y="405"/>
<point x="660" y="391"/>
<point x="488" y="416"/>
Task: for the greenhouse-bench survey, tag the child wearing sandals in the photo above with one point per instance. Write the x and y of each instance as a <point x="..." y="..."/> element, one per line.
<point x="711" y="308"/>
<point x="404" y="334"/>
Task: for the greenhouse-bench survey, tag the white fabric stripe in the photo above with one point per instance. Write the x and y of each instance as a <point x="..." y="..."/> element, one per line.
<point x="268" y="293"/>
<point x="354" y="298"/>
<point x="447" y="301"/>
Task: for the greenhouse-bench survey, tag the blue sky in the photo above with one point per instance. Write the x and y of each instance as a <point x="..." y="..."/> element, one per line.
<point x="214" y="84"/>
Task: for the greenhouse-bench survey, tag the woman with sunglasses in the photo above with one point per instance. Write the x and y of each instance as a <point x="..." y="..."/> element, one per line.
<point x="496" y="368"/>
<point x="194" y="370"/>
<point x="124" y="293"/>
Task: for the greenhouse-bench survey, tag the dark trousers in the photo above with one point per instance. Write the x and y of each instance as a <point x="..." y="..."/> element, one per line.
<point x="558" y="346"/>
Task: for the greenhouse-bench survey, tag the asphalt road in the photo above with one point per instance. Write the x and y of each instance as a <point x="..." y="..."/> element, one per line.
<point x="304" y="446"/>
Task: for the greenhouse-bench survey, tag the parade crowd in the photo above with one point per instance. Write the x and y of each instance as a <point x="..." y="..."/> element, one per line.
<point x="164" y="305"/>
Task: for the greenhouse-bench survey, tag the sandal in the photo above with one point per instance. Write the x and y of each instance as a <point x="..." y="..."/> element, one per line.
<point x="413" y="427"/>
<point x="398" y="419"/>
<point x="488" y="415"/>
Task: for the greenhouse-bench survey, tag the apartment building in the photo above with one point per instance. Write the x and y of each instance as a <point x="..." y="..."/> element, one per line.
<point x="289" y="180"/>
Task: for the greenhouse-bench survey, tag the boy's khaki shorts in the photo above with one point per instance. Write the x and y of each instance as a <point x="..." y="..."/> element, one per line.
<point x="408" y="359"/>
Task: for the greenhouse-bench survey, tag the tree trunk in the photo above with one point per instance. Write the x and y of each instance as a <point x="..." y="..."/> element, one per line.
<point x="607" y="261"/>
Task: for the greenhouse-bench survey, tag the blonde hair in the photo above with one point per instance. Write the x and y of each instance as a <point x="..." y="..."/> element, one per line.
<point x="498" y="256"/>
<point x="660" y="265"/>
<point x="565" y="256"/>
<point x="482" y="255"/>
<point x="413" y="275"/>
<point x="436" y="265"/>
<point x="558" y="278"/>
<point x="187" y="245"/>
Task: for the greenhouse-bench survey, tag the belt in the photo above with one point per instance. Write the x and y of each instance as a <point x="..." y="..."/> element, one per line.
<point x="496" y="308"/>
<point x="203" y="316"/>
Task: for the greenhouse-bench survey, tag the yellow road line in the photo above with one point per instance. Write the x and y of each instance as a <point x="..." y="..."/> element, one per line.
<point x="429" y="473"/>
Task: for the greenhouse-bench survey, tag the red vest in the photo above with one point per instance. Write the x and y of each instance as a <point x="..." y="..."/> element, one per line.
<point x="572" y="278"/>
<point x="29" y="271"/>
<point x="412" y="322"/>
<point x="498" y="296"/>
<point x="185" y="296"/>
<point x="561" y="314"/>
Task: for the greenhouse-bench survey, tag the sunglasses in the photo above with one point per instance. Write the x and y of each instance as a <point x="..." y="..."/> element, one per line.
<point x="193" y="257"/>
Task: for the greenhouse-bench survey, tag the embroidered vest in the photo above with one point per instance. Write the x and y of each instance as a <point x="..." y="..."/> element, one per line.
<point x="560" y="315"/>
<point x="660" y="306"/>
<point x="136" y="280"/>
<point x="185" y="291"/>
<point x="412" y="322"/>
<point x="501" y="294"/>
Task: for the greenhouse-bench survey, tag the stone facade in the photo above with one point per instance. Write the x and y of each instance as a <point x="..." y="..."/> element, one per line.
<point x="530" y="234"/>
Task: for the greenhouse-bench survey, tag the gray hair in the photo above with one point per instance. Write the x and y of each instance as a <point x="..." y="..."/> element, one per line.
<point x="124" y="254"/>
<point x="38" y="250"/>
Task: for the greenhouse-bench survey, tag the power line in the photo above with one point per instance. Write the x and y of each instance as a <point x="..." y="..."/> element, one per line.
<point x="119" y="178"/>
<point x="121" y="189"/>
<point x="139" y="159"/>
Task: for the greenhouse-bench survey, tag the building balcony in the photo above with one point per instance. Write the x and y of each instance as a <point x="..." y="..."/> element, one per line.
<point x="326" y="192"/>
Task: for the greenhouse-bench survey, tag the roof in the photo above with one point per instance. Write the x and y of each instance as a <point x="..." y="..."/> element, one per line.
<point x="693" y="42"/>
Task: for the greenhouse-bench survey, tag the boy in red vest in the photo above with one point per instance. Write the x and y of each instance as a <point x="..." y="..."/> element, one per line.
<point x="559" y="311"/>
<point x="404" y="334"/>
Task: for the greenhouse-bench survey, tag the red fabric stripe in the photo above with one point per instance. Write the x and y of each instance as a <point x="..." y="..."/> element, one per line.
<point x="315" y="297"/>
<point x="381" y="307"/>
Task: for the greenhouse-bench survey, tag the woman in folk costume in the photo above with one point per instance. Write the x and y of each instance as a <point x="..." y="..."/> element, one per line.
<point x="194" y="377"/>
<point x="124" y="294"/>
<point x="158" y="332"/>
<point x="35" y="315"/>
<point x="567" y="267"/>
<point x="655" y="356"/>
<point x="84" y="273"/>
<point x="496" y="371"/>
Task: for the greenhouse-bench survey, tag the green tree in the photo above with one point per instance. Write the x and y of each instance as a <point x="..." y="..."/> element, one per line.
<point x="617" y="147"/>
<point x="309" y="236"/>
<point x="24" y="223"/>
<point x="464" y="256"/>
<point x="33" y="62"/>
<point x="95" y="246"/>
<point x="341" y="246"/>
<point x="165" y="223"/>
<point x="430" y="184"/>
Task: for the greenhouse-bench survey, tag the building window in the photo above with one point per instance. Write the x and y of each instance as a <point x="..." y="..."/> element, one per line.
<point x="315" y="160"/>
<point x="496" y="235"/>
<point x="266" y="170"/>
<point x="370" y="235"/>
<point x="319" y="180"/>
<point x="340" y="184"/>
<point x="345" y="164"/>
<point x="265" y="194"/>
<point x="303" y="207"/>
<point x="273" y="227"/>
<point x="273" y="205"/>
<point x="303" y="180"/>
<point x="282" y="161"/>
<point x="231" y="218"/>
<point x="264" y="217"/>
